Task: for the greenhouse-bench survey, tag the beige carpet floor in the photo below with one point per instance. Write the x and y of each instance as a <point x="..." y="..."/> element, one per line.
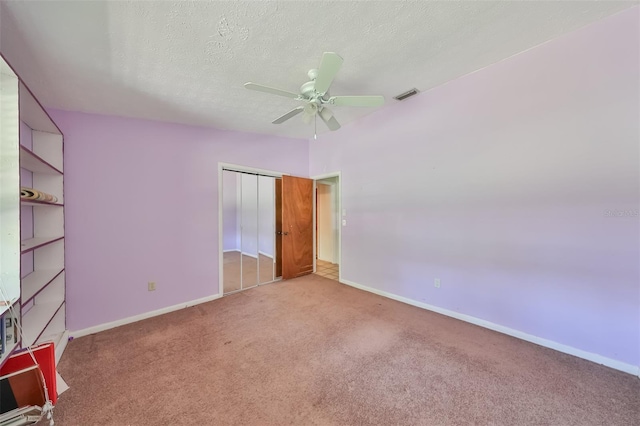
<point x="311" y="351"/>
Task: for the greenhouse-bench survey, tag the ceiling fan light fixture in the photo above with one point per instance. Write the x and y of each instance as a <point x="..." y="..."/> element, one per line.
<point x="310" y="108"/>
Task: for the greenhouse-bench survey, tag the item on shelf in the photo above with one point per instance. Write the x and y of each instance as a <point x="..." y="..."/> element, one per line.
<point x="22" y="416"/>
<point x="34" y="194"/>
<point x="22" y="388"/>
<point x="45" y="360"/>
<point x="27" y="382"/>
<point x="28" y="386"/>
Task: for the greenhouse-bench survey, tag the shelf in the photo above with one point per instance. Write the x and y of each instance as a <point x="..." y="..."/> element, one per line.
<point x="37" y="164"/>
<point x="33" y="243"/>
<point x="33" y="163"/>
<point x="33" y="114"/>
<point x="37" y="319"/>
<point x="24" y="202"/>
<point x="4" y="307"/>
<point x="36" y="281"/>
<point x="59" y="339"/>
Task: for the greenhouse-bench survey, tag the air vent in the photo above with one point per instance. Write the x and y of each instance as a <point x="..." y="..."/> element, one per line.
<point x="407" y="94"/>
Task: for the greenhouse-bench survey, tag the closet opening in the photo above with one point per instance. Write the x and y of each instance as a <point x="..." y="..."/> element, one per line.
<point x="265" y="227"/>
<point x="251" y="228"/>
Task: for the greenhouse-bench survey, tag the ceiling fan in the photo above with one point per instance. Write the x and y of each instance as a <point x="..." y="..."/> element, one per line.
<point x="315" y="94"/>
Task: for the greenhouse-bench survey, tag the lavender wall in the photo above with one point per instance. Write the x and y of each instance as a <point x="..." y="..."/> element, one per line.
<point x="498" y="183"/>
<point x="141" y="203"/>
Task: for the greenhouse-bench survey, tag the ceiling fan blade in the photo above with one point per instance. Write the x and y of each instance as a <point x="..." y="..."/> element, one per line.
<point x="266" y="89"/>
<point x="329" y="66"/>
<point x="357" y="101"/>
<point x="329" y="119"/>
<point x="288" y="115"/>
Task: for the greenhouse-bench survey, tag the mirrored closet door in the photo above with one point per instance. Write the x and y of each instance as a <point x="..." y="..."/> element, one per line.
<point x="249" y="228"/>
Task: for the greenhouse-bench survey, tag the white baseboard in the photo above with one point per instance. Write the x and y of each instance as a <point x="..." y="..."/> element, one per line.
<point x="265" y="254"/>
<point x="599" y="359"/>
<point x="249" y="254"/>
<point x="129" y="320"/>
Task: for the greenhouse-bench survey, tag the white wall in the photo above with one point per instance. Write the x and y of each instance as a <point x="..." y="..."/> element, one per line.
<point x="325" y="222"/>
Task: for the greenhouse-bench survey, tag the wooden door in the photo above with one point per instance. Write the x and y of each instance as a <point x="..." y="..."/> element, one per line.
<point x="278" y="227"/>
<point x="297" y="226"/>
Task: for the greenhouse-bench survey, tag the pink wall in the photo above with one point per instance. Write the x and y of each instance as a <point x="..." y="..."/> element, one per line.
<point x="141" y="203"/>
<point x="498" y="183"/>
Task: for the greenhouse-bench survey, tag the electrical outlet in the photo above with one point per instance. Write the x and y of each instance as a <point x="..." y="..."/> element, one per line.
<point x="151" y="285"/>
<point x="436" y="283"/>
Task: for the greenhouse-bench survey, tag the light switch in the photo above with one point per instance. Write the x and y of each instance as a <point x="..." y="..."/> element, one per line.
<point x="344" y="222"/>
<point x="344" y="212"/>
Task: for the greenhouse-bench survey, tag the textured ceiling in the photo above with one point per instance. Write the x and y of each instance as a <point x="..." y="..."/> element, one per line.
<point x="186" y="62"/>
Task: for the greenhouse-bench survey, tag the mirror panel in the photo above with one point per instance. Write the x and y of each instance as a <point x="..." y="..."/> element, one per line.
<point x="231" y="231"/>
<point x="249" y="229"/>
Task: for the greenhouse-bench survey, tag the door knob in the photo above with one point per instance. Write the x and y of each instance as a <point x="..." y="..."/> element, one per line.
<point x="285" y="233"/>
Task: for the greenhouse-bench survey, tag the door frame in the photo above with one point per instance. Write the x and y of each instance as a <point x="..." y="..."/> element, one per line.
<point x="234" y="168"/>
<point x="340" y="218"/>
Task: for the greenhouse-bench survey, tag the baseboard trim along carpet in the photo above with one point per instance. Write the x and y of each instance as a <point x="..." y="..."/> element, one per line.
<point x="135" y="318"/>
<point x="249" y="254"/>
<point x="599" y="359"/>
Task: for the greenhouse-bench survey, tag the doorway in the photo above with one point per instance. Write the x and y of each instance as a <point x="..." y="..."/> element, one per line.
<point x="328" y="225"/>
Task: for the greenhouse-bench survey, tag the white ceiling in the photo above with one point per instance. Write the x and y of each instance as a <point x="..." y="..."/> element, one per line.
<point x="186" y="62"/>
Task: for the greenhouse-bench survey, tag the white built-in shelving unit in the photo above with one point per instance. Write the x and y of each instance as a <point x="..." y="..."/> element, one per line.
<point x="9" y="201"/>
<point x="41" y="263"/>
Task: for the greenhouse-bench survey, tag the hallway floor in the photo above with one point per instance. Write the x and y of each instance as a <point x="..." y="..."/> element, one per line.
<point x="327" y="269"/>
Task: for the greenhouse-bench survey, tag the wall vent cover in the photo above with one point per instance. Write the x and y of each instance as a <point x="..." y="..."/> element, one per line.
<point x="407" y="94"/>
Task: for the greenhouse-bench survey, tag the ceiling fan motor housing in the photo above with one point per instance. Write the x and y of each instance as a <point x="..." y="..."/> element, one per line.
<point x="308" y="91"/>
